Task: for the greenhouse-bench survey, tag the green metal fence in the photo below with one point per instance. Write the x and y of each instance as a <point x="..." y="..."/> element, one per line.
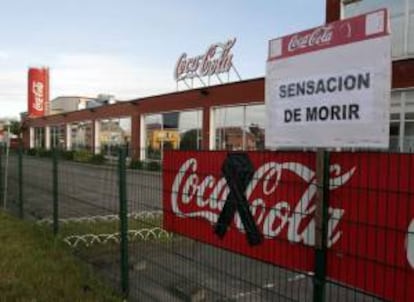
<point x="111" y="217"/>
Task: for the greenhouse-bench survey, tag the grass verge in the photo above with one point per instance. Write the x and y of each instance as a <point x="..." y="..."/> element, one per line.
<point x="34" y="266"/>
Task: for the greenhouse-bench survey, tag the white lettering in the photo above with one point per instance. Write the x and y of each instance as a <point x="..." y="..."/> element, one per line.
<point x="216" y="60"/>
<point x="321" y="35"/>
<point x="37" y="90"/>
<point x="209" y="195"/>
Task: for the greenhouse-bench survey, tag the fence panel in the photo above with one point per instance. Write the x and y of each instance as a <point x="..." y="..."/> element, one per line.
<point x="189" y="230"/>
<point x="373" y="251"/>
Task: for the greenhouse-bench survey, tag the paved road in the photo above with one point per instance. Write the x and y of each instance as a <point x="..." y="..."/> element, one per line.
<point x="84" y="190"/>
<point x="159" y="271"/>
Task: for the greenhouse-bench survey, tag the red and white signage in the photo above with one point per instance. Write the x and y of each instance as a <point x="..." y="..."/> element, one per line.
<point x="326" y="87"/>
<point x="217" y="59"/>
<point x="371" y="213"/>
<point x="38" y="91"/>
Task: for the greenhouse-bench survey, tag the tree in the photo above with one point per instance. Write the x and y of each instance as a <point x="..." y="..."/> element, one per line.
<point x="15" y="127"/>
<point x="189" y="140"/>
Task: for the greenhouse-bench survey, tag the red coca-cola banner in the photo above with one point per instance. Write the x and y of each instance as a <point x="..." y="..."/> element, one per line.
<point x="362" y="27"/>
<point x="38" y="91"/>
<point x="371" y="206"/>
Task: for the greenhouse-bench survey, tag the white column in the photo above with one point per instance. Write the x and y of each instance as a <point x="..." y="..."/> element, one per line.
<point x="402" y="123"/>
<point x="143" y="135"/>
<point x="97" y="141"/>
<point x="47" y="137"/>
<point x="32" y="138"/>
<point x="211" y="131"/>
<point x="68" y="140"/>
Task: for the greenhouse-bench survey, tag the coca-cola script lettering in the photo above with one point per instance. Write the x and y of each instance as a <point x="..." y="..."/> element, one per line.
<point x="38" y="92"/>
<point x="188" y="187"/>
<point x="320" y="35"/>
<point x="216" y="60"/>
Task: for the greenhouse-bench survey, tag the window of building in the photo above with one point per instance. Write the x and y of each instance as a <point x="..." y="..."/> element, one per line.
<point x="239" y="127"/>
<point x="172" y="130"/>
<point x="57" y="136"/>
<point x="401" y="17"/>
<point x="39" y="137"/>
<point x="402" y="121"/>
<point x="81" y="136"/>
<point x="113" y="133"/>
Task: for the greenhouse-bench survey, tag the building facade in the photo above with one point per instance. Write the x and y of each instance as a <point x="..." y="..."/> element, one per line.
<point x="402" y="35"/>
<point x="229" y="116"/>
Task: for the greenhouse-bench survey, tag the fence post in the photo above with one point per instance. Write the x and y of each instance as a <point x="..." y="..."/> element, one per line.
<point x="123" y="219"/>
<point x="1" y="170"/>
<point x="321" y="224"/>
<point x="20" y="180"/>
<point x="55" y="192"/>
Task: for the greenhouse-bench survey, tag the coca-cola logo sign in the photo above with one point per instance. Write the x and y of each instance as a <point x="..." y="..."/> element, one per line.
<point x="38" y="93"/>
<point x="217" y="59"/>
<point x="321" y="35"/>
<point x="363" y="226"/>
<point x="207" y="193"/>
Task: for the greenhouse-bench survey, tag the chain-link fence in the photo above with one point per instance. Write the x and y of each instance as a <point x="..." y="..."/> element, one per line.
<point x="329" y="227"/>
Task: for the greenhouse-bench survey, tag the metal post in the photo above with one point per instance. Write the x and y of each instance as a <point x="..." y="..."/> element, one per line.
<point x="20" y="175"/>
<point x="6" y="169"/>
<point x="1" y="170"/>
<point x="123" y="218"/>
<point x="55" y="192"/>
<point x="321" y="224"/>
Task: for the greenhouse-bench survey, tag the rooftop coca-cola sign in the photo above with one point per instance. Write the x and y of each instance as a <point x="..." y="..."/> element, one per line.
<point x="216" y="60"/>
<point x="370" y="225"/>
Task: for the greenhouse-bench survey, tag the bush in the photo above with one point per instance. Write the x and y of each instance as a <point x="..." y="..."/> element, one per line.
<point x="82" y="156"/>
<point x="153" y="166"/>
<point x="68" y="155"/>
<point x="44" y="153"/>
<point x="32" y="152"/>
<point x="136" y="164"/>
<point x="97" y="159"/>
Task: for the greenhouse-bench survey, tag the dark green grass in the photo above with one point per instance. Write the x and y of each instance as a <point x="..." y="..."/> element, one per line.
<point x="34" y="266"/>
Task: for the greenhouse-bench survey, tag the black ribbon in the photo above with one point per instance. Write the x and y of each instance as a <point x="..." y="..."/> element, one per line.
<point x="238" y="171"/>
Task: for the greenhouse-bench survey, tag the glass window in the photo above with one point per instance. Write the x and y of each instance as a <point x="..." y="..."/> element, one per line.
<point x="229" y="128"/>
<point x="408" y="137"/>
<point x="397" y="15"/>
<point x="172" y="130"/>
<point x="411" y="28"/>
<point x="39" y="137"/>
<point x="113" y="133"/>
<point x="153" y="128"/>
<point x="57" y="136"/>
<point x="239" y="128"/>
<point x="190" y="125"/>
<point x="255" y="127"/>
<point x="81" y="136"/>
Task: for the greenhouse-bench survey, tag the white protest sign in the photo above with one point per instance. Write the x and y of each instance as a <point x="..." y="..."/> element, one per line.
<point x="330" y="86"/>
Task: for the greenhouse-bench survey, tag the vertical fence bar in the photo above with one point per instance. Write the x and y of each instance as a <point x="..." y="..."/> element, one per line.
<point x="321" y="224"/>
<point x="1" y="170"/>
<point x="55" y="192"/>
<point x="20" y="175"/>
<point x="123" y="219"/>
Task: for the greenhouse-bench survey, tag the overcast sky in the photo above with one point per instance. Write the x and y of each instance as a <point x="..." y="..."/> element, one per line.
<point x="129" y="48"/>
